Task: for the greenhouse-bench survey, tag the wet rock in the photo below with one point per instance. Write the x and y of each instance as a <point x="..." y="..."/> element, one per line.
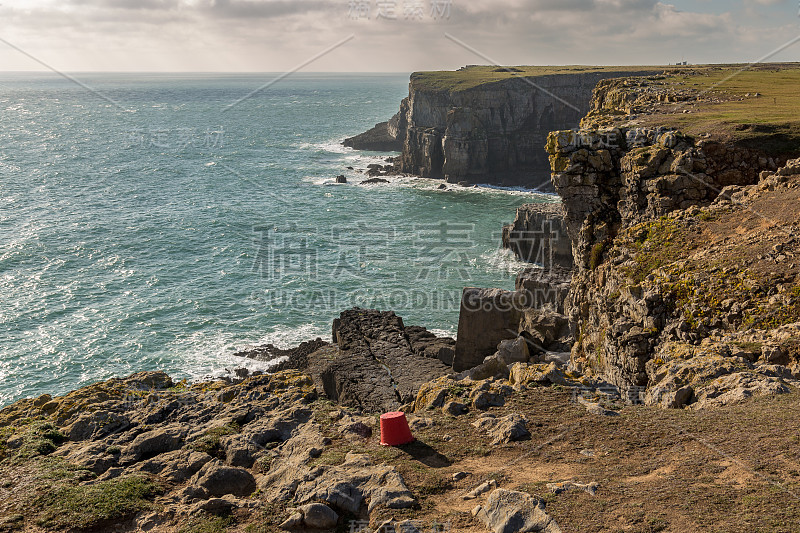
<point x="341" y="179"/>
<point x="374" y="181"/>
<point x="508" y="511"/>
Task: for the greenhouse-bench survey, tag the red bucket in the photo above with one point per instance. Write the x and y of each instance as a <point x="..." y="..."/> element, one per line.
<point x="394" y="429"/>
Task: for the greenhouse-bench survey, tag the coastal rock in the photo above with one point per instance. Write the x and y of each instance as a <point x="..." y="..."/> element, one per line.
<point x="544" y="288"/>
<point x="513" y="351"/>
<point x="355" y="484"/>
<point x="176" y="466"/>
<point x="412" y="358"/>
<point x="539" y="235"/>
<point x="487" y="317"/>
<point x="491" y="133"/>
<point x="152" y="443"/>
<point x="504" y="429"/>
<point x="216" y="479"/>
<point x="508" y="511"/>
<point x="374" y="181"/>
<point x="522" y="375"/>
<point x="318" y="516"/>
<point x="377" y="139"/>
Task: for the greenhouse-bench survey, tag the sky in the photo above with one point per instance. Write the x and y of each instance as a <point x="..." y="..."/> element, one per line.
<point x="386" y="36"/>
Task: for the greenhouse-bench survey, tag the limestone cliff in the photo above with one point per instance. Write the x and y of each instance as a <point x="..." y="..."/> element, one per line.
<point x="686" y="282"/>
<point x="489" y="132"/>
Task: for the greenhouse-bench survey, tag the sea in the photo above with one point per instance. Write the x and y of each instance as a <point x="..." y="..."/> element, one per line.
<point x="166" y="221"/>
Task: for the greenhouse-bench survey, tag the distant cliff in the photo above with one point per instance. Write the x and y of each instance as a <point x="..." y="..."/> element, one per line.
<point x="472" y="126"/>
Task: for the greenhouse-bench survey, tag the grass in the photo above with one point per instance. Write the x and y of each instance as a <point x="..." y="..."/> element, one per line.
<point x="41" y="438"/>
<point x="207" y="524"/>
<point x="474" y="76"/>
<point x="89" y="506"/>
<point x="209" y="442"/>
<point x="769" y="122"/>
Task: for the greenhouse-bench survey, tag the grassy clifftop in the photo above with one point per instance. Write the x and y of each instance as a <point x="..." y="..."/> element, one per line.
<point x="475" y="75"/>
<point x="755" y="107"/>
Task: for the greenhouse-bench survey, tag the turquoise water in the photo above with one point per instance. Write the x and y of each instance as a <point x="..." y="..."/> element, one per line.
<point x="149" y="226"/>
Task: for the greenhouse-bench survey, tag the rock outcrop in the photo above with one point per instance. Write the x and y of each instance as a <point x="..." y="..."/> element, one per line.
<point x="378" y="139"/>
<point x="539" y="235"/>
<point x="378" y="364"/>
<point x="671" y="275"/>
<point x="509" y="511"/>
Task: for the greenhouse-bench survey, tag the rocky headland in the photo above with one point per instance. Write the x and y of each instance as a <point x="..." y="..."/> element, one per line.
<point x="644" y="375"/>
<point x="486" y="124"/>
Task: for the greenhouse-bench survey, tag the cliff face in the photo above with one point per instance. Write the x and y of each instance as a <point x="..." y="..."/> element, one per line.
<point x="493" y="132"/>
<point x="685" y="282"/>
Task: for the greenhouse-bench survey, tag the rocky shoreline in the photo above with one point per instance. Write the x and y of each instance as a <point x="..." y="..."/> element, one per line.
<point x="663" y="294"/>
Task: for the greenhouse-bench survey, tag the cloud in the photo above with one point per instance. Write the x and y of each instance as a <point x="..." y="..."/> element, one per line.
<point x="274" y="35"/>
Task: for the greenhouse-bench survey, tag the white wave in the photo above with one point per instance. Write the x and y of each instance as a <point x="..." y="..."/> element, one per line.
<point x="444" y="332"/>
<point x="206" y="357"/>
<point x="503" y="260"/>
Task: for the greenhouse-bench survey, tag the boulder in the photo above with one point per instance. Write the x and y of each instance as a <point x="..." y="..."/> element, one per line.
<point x="522" y="375"/>
<point x="355" y="484"/>
<point x="319" y="516"/>
<point x="487" y="316"/>
<point x="152" y="443"/>
<point x="341" y="179"/>
<point x="216" y="479"/>
<point x="504" y="429"/>
<point x="454" y="408"/>
<point x="508" y="511"/>
<point x="545" y="330"/>
<point x="513" y="351"/>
